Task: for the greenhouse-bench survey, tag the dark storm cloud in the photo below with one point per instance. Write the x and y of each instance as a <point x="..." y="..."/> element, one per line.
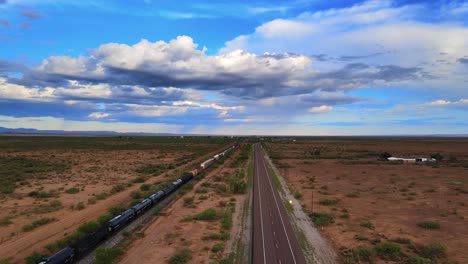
<point x="463" y="61"/>
<point x="9" y="66"/>
<point x="179" y="64"/>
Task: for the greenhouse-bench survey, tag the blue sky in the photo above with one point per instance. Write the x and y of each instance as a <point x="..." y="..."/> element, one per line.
<point x="235" y="67"/>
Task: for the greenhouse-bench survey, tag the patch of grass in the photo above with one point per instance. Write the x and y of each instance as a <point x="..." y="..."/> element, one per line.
<point x="145" y="187"/>
<point x="389" y="251"/>
<point x="116" y="210"/>
<point x="38" y="223"/>
<point x="201" y="190"/>
<point x="322" y="219"/>
<point x="53" y="206"/>
<point x="154" y="169"/>
<point x="136" y="195"/>
<point x="297" y="195"/>
<point x="226" y="221"/>
<point x="188" y="201"/>
<point x="34" y="258"/>
<point x="104" y="218"/>
<point x="360" y="238"/>
<point x="401" y="240"/>
<point x="118" y="188"/>
<point x="432" y="251"/>
<point x="429" y="224"/>
<point x="328" y="202"/>
<point x="107" y="255"/>
<point x="41" y="194"/>
<point x="80" y="206"/>
<point x="5" y="221"/>
<point x="418" y="260"/>
<point x="209" y="214"/>
<point x="72" y="190"/>
<point x="217" y="248"/>
<point x="102" y="196"/>
<point x="367" y="224"/>
<point x="216" y="236"/>
<point x="363" y="253"/>
<point x="21" y="168"/>
<point x="181" y="257"/>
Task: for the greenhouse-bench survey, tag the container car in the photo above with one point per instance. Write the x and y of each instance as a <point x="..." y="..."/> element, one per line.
<point x="64" y="256"/>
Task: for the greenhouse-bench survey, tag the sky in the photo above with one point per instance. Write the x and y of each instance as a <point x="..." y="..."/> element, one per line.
<point x="300" y="67"/>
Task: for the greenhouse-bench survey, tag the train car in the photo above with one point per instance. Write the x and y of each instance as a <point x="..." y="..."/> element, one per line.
<point x="194" y="172"/>
<point x="121" y="219"/>
<point x="155" y="197"/>
<point x="187" y="177"/>
<point x="64" y="256"/>
<point x="142" y="206"/>
<point x="168" y="189"/>
<point x="206" y="163"/>
<point x="177" y="183"/>
<point x="90" y="240"/>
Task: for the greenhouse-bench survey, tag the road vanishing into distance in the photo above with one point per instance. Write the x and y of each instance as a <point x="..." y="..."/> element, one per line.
<point x="273" y="237"/>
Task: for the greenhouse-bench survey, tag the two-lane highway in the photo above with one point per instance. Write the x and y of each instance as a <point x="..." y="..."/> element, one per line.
<point x="274" y="240"/>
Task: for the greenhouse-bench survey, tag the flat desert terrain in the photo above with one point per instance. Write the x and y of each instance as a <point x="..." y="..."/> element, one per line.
<point x="52" y="185"/>
<point x="375" y="211"/>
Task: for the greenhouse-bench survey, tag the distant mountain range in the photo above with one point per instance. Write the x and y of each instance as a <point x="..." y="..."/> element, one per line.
<point x="4" y="130"/>
<point x="32" y="131"/>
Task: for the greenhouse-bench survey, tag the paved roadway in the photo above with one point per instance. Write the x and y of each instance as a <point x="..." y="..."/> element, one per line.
<point x="273" y="238"/>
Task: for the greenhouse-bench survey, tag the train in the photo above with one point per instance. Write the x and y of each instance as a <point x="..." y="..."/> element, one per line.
<point x="77" y="249"/>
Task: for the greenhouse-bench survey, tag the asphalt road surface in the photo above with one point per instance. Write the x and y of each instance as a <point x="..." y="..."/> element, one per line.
<point x="273" y="238"/>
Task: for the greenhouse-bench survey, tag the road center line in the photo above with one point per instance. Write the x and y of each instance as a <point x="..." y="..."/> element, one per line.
<point x="279" y="212"/>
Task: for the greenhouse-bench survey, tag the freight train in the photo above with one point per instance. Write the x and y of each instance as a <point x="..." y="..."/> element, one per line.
<point x="77" y="249"/>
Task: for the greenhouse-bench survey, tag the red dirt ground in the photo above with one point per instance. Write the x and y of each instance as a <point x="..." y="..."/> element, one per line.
<point x="394" y="198"/>
<point x="92" y="171"/>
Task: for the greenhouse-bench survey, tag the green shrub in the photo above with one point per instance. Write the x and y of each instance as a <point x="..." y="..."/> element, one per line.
<point x="429" y="224"/>
<point x="102" y="196"/>
<point x="116" y="210"/>
<point x="34" y="258"/>
<point x="106" y="255"/>
<point x="72" y="190"/>
<point x="92" y="200"/>
<point x="118" y="188"/>
<point x="418" y="260"/>
<point x="145" y="187"/>
<point x="80" y="206"/>
<point x="181" y="257"/>
<point x="136" y="195"/>
<point x="297" y="195"/>
<point x="360" y="237"/>
<point x="188" y="201"/>
<point x="363" y="253"/>
<point x="367" y="224"/>
<point x="432" y="251"/>
<point x="38" y="223"/>
<point x="215" y="236"/>
<point x="207" y="215"/>
<point x="88" y="227"/>
<point x="401" y="240"/>
<point x="104" y="218"/>
<point x="322" y="219"/>
<point x="5" y="221"/>
<point x="217" y="248"/>
<point x="328" y="202"/>
<point x="389" y="251"/>
<point x="226" y="220"/>
<point x="41" y="194"/>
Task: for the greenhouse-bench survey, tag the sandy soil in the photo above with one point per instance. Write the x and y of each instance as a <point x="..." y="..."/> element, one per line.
<point x="169" y="234"/>
<point x="393" y="198"/>
<point x="93" y="172"/>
